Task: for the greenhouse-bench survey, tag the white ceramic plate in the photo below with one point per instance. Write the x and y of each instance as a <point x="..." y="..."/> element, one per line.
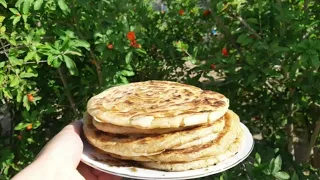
<point x="142" y="173"/>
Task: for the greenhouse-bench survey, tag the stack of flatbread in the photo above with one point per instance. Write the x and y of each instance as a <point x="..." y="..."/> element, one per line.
<point x="163" y="125"/>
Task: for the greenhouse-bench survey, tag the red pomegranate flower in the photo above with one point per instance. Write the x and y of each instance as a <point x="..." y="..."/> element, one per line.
<point x="181" y="12"/>
<point x="110" y="46"/>
<point x="131" y="36"/>
<point x="225" y="52"/>
<point x="206" y="12"/>
<point x="30" y="97"/>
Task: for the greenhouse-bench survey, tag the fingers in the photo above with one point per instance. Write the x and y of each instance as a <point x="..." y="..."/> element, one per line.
<point x="85" y="171"/>
<point x="108" y="177"/>
<point x="65" y="149"/>
<point x="96" y="172"/>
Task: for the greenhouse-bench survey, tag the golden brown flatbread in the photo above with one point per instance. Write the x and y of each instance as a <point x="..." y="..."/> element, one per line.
<point x="217" y="146"/>
<point x="157" y="104"/>
<point x="146" y="145"/>
<point x="197" y="164"/>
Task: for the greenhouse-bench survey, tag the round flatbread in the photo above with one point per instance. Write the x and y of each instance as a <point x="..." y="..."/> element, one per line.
<point x="197" y="164"/>
<point x="126" y="145"/>
<point x="110" y="128"/>
<point x="215" y="147"/>
<point x="157" y="104"/>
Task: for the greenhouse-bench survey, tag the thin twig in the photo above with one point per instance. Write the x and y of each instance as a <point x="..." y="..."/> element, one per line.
<point x="4" y="50"/>
<point x="248" y="26"/>
<point x="271" y="87"/>
<point x="42" y="61"/>
<point x="227" y="34"/>
<point x="316" y="130"/>
<point x="98" y="67"/>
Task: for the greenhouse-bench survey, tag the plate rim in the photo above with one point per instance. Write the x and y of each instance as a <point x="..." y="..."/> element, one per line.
<point x="178" y="178"/>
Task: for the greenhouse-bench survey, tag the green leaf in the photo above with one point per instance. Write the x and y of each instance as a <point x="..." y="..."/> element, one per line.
<point x="277" y="164"/>
<point x="56" y="63"/>
<point x="2" y="64"/>
<point x="30" y="140"/>
<point x="36" y="124"/>
<point x="28" y="75"/>
<point x="7" y="93"/>
<point x="241" y="38"/>
<point x="305" y="58"/>
<point x="187" y="58"/>
<point x="26" y="102"/>
<point x="252" y="20"/>
<point x="71" y="65"/>
<point x="14" y="11"/>
<point x="124" y="80"/>
<point x="26" y="6"/>
<point x="2" y="29"/>
<point x="81" y="43"/>
<point x="21" y="126"/>
<point x="246" y="41"/>
<point x="38" y="58"/>
<point x="65" y="45"/>
<point x="195" y="52"/>
<point x="4" y="3"/>
<point x="249" y="59"/>
<point x="14" y="61"/>
<point x="63" y="6"/>
<point x="140" y="51"/>
<point x="294" y="176"/>
<point x="2" y="18"/>
<point x="258" y="158"/>
<point x="16" y="20"/>
<point x="128" y="57"/>
<point x="18" y="3"/>
<point x="14" y="82"/>
<point x="315" y="61"/>
<point x="127" y="73"/>
<point x="282" y="175"/>
<point x="29" y="56"/>
<point x="73" y="53"/>
<point x="37" y="5"/>
<point x="19" y="96"/>
<point x="50" y="60"/>
<point x="220" y="6"/>
<point x="25" y="18"/>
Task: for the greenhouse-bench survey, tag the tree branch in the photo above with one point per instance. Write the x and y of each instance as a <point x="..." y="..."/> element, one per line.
<point x="65" y="85"/>
<point x="316" y="130"/>
<point x="42" y="61"/>
<point x="314" y="136"/>
<point x="305" y="6"/>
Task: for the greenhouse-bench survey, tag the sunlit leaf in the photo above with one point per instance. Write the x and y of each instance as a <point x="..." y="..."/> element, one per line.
<point x="63" y="6"/>
<point x="37" y="5"/>
<point x="4" y="3"/>
<point x="282" y="175"/>
<point x="28" y="75"/>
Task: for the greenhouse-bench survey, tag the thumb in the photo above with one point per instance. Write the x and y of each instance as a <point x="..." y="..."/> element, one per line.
<point x="65" y="149"/>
